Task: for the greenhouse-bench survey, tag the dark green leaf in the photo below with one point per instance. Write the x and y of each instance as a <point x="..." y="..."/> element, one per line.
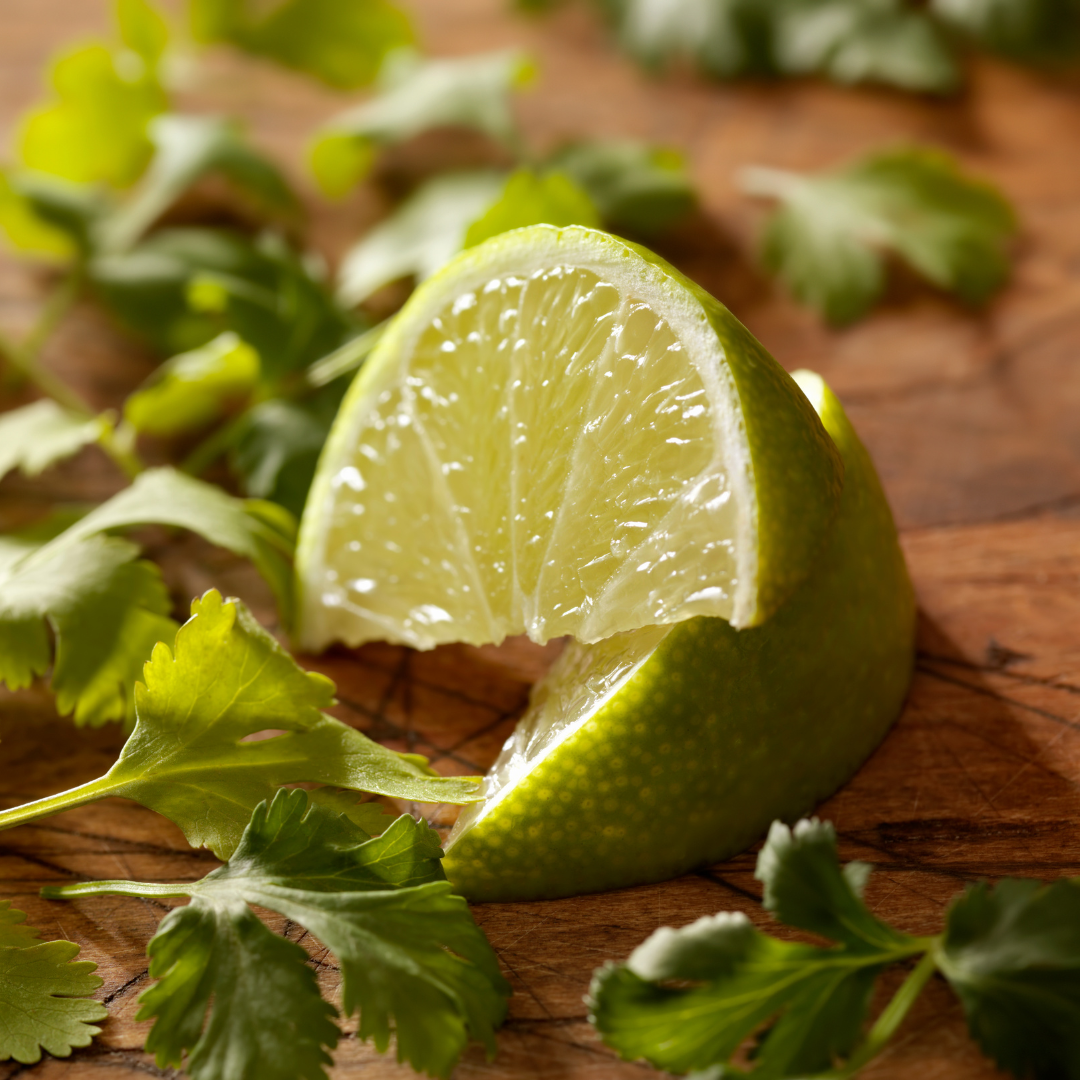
<point x="634" y="186"/>
<point x="44" y="1003"/>
<point x="1034" y="30"/>
<point x="266" y="1017"/>
<point x="262" y="291"/>
<point x="191" y="389"/>
<point x="1012" y="954"/>
<point x="38" y="435"/>
<point x="422" y="235"/>
<point x="828" y="239"/>
<point x="412" y="959"/>
<point x="341" y="42"/>
<point x="805" y="887"/>
<point x="416" y="96"/>
<point x="188" y="148"/>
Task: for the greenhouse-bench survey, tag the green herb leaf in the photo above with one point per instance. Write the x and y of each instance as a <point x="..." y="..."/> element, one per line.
<point x="262" y="291"/>
<point x="1012" y="954"/>
<point x="44" y="1002"/>
<point x="1032" y="30"/>
<point x="855" y="41"/>
<point x="416" y="96"/>
<point x="193" y="756"/>
<point x="26" y="230"/>
<point x="723" y="37"/>
<point x="412" y="959"/>
<point x="191" y="389"/>
<point x="529" y="199"/>
<point x="814" y="1000"/>
<point x="342" y="43"/>
<point x="38" y="435"/>
<point x="188" y="148"/>
<point x="97" y="129"/>
<point x="420" y="236"/>
<point x="143" y="30"/>
<point x="634" y="186"/>
<point x="828" y="240"/>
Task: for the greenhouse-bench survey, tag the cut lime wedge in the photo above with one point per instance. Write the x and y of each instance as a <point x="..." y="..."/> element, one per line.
<point x="561" y="434"/>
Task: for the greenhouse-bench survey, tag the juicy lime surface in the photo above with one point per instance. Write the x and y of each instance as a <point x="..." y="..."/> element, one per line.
<point x="560" y="434"/>
<point x="665" y="748"/>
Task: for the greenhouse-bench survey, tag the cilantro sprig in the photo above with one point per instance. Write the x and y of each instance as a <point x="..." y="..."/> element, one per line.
<point x="44" y="993"/>
<point x="829" y="239"/>
<point x="413" y="962"/>
<point x="191" y="757"/>
<point x="696" y="998"/>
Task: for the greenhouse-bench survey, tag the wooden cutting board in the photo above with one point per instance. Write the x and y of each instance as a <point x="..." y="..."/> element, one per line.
<point x="972" y="419"/>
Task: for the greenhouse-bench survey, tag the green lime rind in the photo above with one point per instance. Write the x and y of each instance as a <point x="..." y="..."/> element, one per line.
<point x="720" y="731"/>
<point x="784" y="470"/>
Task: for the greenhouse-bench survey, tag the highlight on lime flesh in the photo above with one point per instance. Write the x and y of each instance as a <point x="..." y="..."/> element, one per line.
<point x="667" y="748"/>
<point x="561" y="434"/>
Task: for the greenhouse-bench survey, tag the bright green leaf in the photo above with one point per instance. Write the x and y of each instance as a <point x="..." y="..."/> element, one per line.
<point x="38" y="435"/>
<point x="26" y="230"/>
<point x="417" y="95"/>
<point x="634" y="186"/>
<point x="529" y="199"/>
<point x="856" y="41"/>
<point x="1012" y="954"/>
<point x="187" y="148"/>
<point x="143" y="30"/>
<point x="44" y="1002"/>
<point x="421" y="235"/>
<point x="341" y="42"/>
<point x="413" y="961"/>
<point x="194" y="388"/>
<point x="97" y="131"/>
<point x="828" y="240"/>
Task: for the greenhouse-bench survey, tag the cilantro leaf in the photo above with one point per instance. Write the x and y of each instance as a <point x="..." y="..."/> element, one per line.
<point x="96" y="131"/>
<point x="40" y="434"/>
<point x="854" y="41"/>
<point x="261" y="289"/>
<point x="1031" y="30"/>
<point x="1012" y="954"/>
<point x="341" y="42"/>
<point x="192" y="758"/>
<point x="811" y="1001"/>
<point x="266" y="1016"/>
<point x="25" y="229"/>
<point x="531" y="199"/>
<point x="420" y="236"/>
<point x="14" y="933"/>
<point x="634" y="186"/>
<point x="144" y="30"/>
<point x="188" y="148"/>
<point x="416" y="96"/>
<point x="412" y="959"/>
<point x="193" y="388"/>
<point x="828" y="239"/>
<point x="44" y="1003"/>
<point x="723" y="37"/>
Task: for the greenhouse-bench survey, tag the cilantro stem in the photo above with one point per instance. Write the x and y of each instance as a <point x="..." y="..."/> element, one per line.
<point x="54" y="804"/>
<point x="214" y="445"/>
<point x="113" y="888"/>
<point x="893" y="1014"/>
<point x="769" y="183"/>
<point x="346" y="358"/>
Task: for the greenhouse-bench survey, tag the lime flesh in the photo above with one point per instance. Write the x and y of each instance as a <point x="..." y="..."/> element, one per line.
<point x="560" y="434"/>
<point x="666" y="748"/>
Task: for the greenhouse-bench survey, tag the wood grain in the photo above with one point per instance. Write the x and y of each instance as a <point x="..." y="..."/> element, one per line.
<point x="970" y="416"/>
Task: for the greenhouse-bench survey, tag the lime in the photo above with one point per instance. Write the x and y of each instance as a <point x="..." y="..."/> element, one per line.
<point x="664" y="748"/>
<point x="561" y="434"/>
